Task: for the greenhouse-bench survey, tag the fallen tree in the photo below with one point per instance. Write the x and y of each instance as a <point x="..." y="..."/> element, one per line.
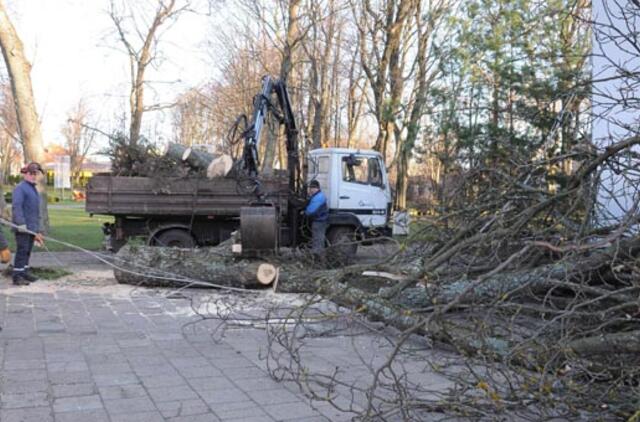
<point x="201" y="267"/>
<point x="517" y="280"/>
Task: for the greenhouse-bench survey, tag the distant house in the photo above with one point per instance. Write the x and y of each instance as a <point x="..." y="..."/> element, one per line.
<point x="89" y="167"/>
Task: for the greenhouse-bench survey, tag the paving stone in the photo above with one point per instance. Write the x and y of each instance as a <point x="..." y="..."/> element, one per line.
<point x="245" y="372"/>
<point x="83" y="416"/>
<point x="246" y="412"/>
<point x="110" y="368"/>
<point x="211" y="383"/>
<point x="34" y="414"/>
<point x="149" y="360"/>
<point x="106" y="380"/>
<point x="14" y="401"/>
<point x="200" y="371"/>
<point x="294" y="411"/>
<point x="314" y="419"/>
<point x="155" y="381"/>
<point x="267" y="397"/>
<point x="76" y="404"/>
<point x="208" y="417"/>
<point x="265" y="418"/>
<point x="172" y="409"/>
<point x="133" y="405"/>
<point x="24" y="375"/>
<point x="77" y="366"/>
<point x="64" y="357"/>
<point x="333" y="414"/>
<point x="231" y="406"/>
<point x="24" y="364"/>
<point x="223" y="396"/>
<point x="179" y="392"/>
<point x="70" y="377"/>
<point x="138" y="417"/>
<point x="183" y="362"/>
<point x="122" y="392"/>
<point x="154" y="370"/>
<point x="69" y="390"/>
<point x="22" y="387"/>
<point x="256" y="384"/>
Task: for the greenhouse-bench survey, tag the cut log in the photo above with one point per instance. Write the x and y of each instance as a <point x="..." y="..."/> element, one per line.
<point x="175" y="151"/>
<point x="198" y="160"/>
<point x="220" y="166"/>
<point x="203" y="267"/>
<point x="266" y="273"/>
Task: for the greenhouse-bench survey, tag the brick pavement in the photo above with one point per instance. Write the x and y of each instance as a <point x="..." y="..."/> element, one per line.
<point x="114" y="353"/>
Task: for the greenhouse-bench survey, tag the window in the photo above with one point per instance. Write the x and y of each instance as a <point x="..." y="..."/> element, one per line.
<point x="375" y="172"/>
<point x="361" y="170"/>
<point x="318" y="165"/>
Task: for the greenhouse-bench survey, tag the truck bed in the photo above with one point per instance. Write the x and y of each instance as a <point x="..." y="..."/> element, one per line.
<point x="144" y="196"/>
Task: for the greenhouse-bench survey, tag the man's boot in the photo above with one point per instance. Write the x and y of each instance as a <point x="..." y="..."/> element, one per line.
<point x="20" y="280"/>
<point x="29" y="277"/>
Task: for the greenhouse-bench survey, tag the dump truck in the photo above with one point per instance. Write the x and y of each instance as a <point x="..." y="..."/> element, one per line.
<point x="266" y="210"/>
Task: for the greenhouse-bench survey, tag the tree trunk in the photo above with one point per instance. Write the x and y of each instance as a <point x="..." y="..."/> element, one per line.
<point x="19" y="70"/>
<point x="199" y="160"/>
<point x="286" y="65"/>
<point x="603" y="344"/>
<point x="204" y="267"/>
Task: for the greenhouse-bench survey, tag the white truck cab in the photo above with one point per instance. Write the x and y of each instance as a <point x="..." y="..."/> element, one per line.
<point x="356" y="185"/>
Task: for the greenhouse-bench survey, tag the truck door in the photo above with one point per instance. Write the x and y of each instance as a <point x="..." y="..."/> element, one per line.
<point x="362" y="189"/>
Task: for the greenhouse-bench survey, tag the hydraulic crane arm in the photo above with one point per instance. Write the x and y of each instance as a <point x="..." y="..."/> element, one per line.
<point x="262" y="105"/>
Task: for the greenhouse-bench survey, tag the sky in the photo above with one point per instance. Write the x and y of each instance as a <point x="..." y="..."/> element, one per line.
<point x="613" y="117"/>
<point x="75" y="54"/>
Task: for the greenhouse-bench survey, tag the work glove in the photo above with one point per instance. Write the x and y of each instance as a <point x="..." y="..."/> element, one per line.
<point x="6" y="213"/>
<point x="22" y="228"/>
<point x="39" y="240"/>
<point x="5" y="256"/>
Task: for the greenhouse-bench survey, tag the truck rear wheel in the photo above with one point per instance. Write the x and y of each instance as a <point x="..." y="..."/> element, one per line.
<point x="342" y="245"/>
<point x="174" y="238"/>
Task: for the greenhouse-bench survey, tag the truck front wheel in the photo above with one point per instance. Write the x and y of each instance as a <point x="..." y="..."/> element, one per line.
<point x="342" y="245"/>
<point x="174" y="238"/>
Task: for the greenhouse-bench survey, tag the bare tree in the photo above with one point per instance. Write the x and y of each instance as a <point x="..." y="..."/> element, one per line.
<point x="20" y="76"/>
<point x="283" y="28"/>
<point x="19" y="70"/>
<point x="383" y="33"/>
<point x="79" y="137"/>
<point x="193" y="120"/>
<point x="140" y="40"/>
<point x="429" y="18"/>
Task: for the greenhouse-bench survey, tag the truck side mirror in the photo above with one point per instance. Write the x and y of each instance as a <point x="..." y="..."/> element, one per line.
<point x="352" y="160"/>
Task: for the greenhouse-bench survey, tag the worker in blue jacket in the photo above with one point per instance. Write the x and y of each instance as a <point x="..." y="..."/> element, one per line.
<point x="25" y="205"/>
<point x="318" y="212"/>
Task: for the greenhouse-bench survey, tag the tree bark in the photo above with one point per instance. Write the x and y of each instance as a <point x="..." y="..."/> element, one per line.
<point x="175" y="151"/>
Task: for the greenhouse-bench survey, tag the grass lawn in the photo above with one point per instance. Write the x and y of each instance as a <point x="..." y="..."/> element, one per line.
<point x="72" y="225"/>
